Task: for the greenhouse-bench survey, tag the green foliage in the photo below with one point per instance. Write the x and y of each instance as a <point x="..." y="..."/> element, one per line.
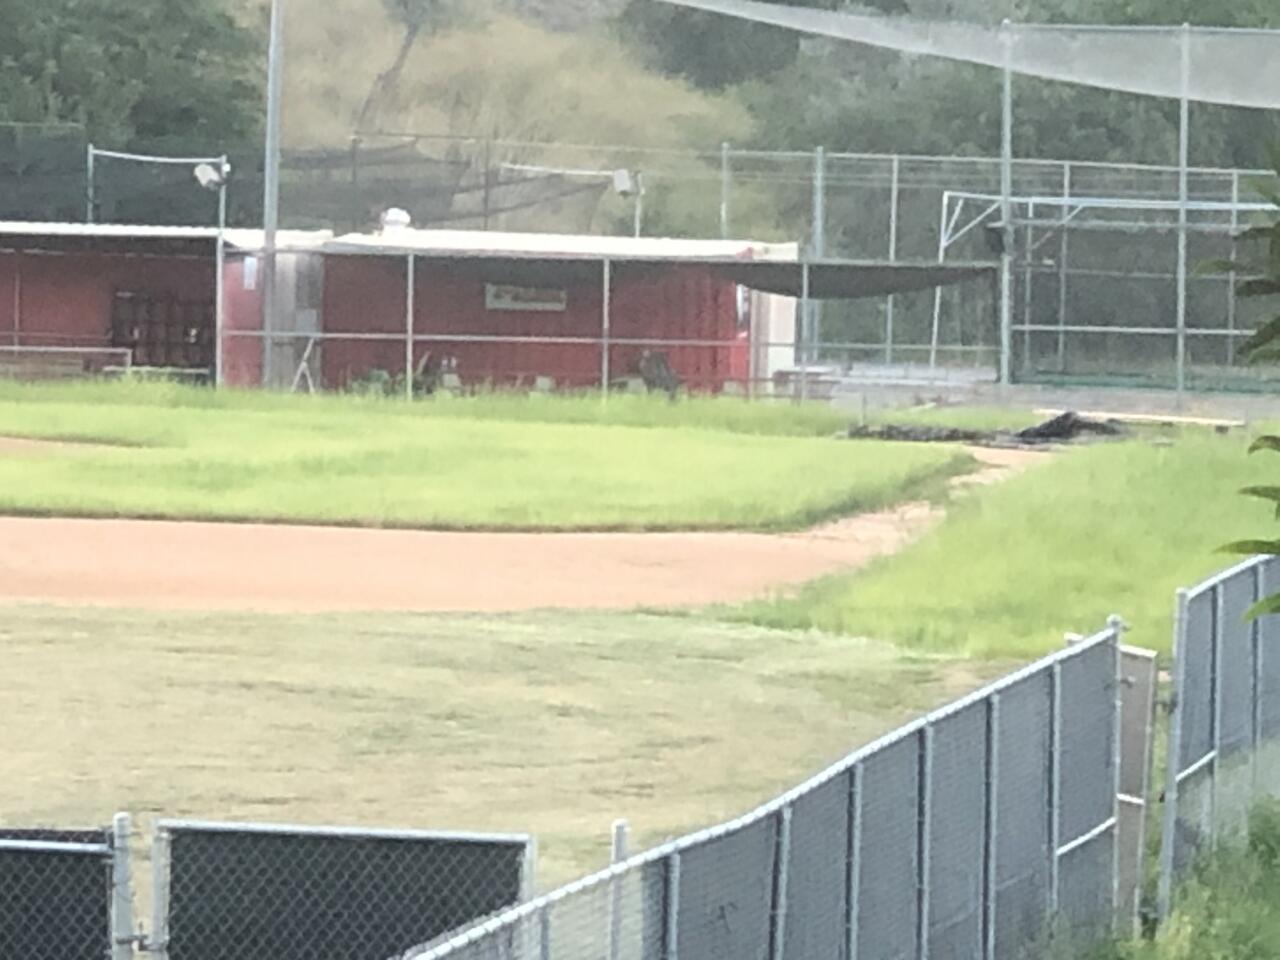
<point x="1113" y="528"/>
<point x="859" y="99"/>
<point x="136" y="72"/>
<point x="368" y="461"/>
<point x="1262" y="280"/>
<point x="1227" y="910"/>
<point x="709" y="50"/>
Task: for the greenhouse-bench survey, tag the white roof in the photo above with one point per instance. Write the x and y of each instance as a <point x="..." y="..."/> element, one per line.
<point x="443" y="243"/>
<point x="482" y="243"/>
<point x="106" y="230"/>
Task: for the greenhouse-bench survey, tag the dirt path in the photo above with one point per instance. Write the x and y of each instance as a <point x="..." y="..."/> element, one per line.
<point x="202" y="566"/>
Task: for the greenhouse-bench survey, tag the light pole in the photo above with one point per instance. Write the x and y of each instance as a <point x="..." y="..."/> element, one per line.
<point x="214" y="177"/>
<point x="271" y="183"/>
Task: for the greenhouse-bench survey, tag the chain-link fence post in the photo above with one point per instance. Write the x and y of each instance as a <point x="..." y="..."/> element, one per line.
<point x="854" y="863"/>
<point x="726" y="188"/>
<point x="122" y="935"/>
<point x="158" y="945"/>
<point x="1055" y="787"/>
<point x="671" y="935"/>
<point x="1168" y="837"/>
<point x="990" y="888"/>
<point x="618" y="855"/>
<point x="781" y="877"/>
<point x="926" y="839"/>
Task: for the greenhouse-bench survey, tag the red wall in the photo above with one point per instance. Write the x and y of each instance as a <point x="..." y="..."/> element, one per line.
<point x="66" y="299"/>
<point x="367" y="294"/>
<point x="242" y="310"/>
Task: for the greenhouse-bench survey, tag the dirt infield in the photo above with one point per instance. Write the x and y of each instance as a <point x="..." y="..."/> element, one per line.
<point x="202" y="566"/>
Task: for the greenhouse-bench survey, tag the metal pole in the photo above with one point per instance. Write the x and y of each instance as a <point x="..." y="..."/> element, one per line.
<point x="1173" y="763"/>
<point x="1006" y="209"/>
<point x="671" y="932"/>
<point x="90" y="188"/>
<point x="853" y="862"/>
<point x="943" y="240"/>
<point x="122" y="936"/>
<point x="1215" y="785"/>
<point x="1184" y="160"/>
<point x="925" y="839"/>
<point x="819" y="244"/>
<point x="219" y="284"/>
<point x="781" y="880"/>
<point x="895" y="184"/>
<point x="1063" y="253"/>
<point x="991" y="835"/>
<point x="1255" y="639"/>
<point x="726" y="174"/>
<point x="1027" y="279"/>
<point x="605" y="324"/>
<point x="802" y="339"/>
<point x="639" y="204"/>
<point x="158" y="946"/>
<point x="619" y="855"/>
<point x="1055" y="786"/>
<point x="271" y="182"/>
<point x="1231" y="277"/>
<point x="410" y="304"/>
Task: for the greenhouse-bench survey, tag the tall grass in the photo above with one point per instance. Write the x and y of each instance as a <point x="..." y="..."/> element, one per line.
<point x="1228" y="910"/>
<point x="498" y="463"/>
<point x="700" y="413"/>
<point x="1113" y="528"/>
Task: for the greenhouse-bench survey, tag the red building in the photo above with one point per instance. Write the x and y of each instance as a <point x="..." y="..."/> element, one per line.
<point x="496" y="309"/>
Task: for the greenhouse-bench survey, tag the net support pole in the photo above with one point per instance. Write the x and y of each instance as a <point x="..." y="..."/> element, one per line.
<point x="606" y="323"/>
<point x="90" y="184"/>
<point x="1231" y="277"/>
<point x="1064" y="250"/>
<point x="1184" y="159"/>
<point x="271" y="184"/>
<point x="895" y="188"/>
<point x="219" y="280"/>
<point x="1028" y="281"/>
<point x="410" y="308"/>
<point x="802" y="339"/>
<point x="819" y="244"/>
<point x="726" y="184"/>
<point x="1006" y="208"/>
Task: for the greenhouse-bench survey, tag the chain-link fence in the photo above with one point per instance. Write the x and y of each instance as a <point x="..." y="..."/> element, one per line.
<point x="1224" y="736"/>
<point x="56" y="894"/>
<point x="1095" y="282"/>
<point x="225" y="891"/>
<point x="977" y="831"/>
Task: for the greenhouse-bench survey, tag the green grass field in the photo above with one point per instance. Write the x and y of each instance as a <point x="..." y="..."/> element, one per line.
<point x="160" y="451"/>
<point x="555" y="724"/>
<point x="1114" y="528"/>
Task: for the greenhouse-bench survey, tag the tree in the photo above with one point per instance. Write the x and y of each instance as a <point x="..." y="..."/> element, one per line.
<point x="132" y="73"/>
<point x="1263" y="275"/>
<point x="709" y="50"/>
<point x="415" y="17"/>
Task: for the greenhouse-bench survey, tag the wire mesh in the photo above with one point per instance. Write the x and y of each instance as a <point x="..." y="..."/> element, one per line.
<point x="727" y="886"/>
<point x="1024" y="744"/>
<point x="817" y="906"/>
<point x="889" y="854"/>
<point x="55" y="897"/>
<point x="956" y="881"/>
<point x="343" y="895"/>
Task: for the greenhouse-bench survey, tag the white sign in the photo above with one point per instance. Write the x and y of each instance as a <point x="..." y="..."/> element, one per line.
<point x="529" y="299"/>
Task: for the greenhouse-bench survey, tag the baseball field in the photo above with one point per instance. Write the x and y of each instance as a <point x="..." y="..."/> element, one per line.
<point x="533" y="614"/>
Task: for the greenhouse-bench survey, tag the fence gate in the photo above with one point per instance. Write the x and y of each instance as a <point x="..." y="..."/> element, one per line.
<point x="56" y="894"/>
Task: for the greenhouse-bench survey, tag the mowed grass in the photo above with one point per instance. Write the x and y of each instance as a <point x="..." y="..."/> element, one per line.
<point x="1113" y="528"/>
<point x="554" y="724"/>
<point x="174" y="453"/>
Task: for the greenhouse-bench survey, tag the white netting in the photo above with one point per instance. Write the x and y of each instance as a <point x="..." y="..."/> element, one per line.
<point x="1231" y="67"/>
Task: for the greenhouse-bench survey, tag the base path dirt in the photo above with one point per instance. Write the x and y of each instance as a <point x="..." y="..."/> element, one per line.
<point x="209" y="566"/>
